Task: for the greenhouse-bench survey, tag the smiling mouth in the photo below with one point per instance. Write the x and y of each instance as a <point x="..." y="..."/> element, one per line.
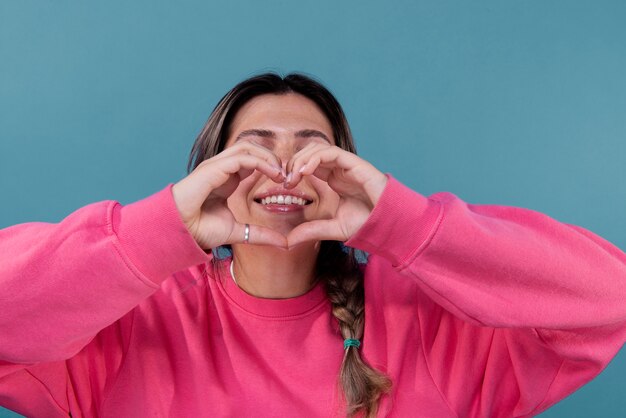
<point x="284" y="200"/>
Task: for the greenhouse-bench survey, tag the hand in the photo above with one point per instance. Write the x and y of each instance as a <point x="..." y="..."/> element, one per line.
<point x="201" y="196"/>
<point x="358" y="183"/>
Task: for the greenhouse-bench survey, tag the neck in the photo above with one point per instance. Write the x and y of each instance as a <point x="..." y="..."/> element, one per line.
<point x="274" y="273"/>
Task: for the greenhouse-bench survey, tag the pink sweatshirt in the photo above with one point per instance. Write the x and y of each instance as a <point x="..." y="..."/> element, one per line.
<point x="472" y="310"/>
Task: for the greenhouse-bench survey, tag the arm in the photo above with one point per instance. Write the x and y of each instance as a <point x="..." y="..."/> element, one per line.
<point x="62" y="283"/>
<point x="521" y="310"/>
<point x="516" y="309"/>
<point x="66" y="290"/>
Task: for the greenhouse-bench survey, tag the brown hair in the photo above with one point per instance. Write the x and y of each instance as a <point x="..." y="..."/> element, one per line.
<point x="339" y="270"/>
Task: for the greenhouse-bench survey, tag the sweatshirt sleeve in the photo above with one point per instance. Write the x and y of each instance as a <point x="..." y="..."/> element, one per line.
<point x="60" y="284"/>
<point x="521" y="310"/>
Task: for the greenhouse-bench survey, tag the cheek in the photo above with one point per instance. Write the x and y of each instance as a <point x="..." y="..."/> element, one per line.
<point x="238" y="201"/>
<point x="329" y="199"/>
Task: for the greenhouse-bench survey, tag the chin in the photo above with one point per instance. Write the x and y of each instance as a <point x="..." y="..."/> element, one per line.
<point x="282" y="228"/>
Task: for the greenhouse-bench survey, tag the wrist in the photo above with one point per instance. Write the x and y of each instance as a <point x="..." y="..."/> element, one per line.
<point x="375" y="186"/>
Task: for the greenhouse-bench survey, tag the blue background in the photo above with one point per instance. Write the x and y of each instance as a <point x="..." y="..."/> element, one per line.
<point x="507" y="102"/>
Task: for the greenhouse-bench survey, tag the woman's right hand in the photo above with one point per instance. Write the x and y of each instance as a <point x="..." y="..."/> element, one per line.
<point x="201" y="196"/>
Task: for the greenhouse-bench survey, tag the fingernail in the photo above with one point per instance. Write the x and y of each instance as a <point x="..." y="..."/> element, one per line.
<point x="279" y="171"/>
<point x="283" y="172"/>
<point x="302" y="169"/>
<point x="289" y="177"/>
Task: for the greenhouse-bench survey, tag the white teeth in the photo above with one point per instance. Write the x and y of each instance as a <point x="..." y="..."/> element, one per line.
<point x="283" y="200"/>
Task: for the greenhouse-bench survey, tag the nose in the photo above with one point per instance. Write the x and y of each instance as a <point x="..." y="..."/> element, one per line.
<point x="285" y="150"/>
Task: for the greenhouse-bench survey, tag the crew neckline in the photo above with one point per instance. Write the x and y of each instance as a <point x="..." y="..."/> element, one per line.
<point x="282" y="309"/>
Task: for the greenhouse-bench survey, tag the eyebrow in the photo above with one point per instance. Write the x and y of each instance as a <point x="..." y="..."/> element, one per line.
<point x="264" y="133"/>
<point x="312" y="133"/>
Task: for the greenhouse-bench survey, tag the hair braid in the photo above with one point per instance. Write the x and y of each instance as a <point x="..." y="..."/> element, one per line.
<point x="362" y="385"/>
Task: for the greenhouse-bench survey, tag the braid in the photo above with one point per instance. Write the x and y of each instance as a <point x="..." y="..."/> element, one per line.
<point x="362" y="385"/>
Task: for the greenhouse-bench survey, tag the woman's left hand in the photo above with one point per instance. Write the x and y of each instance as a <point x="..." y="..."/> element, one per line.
<point x="357" y="182"/>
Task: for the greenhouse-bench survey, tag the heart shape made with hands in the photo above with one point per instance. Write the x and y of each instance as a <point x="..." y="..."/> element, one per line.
<point x="354" y="207"/>
<point x="202" y="197"/>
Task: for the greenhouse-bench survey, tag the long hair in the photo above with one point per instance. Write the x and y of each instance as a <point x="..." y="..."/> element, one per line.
<point x="339" y="270"/>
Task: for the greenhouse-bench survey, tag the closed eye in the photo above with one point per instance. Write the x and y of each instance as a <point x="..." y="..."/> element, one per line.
<point x="263" y="142"/>
<point x="304" y="142"/>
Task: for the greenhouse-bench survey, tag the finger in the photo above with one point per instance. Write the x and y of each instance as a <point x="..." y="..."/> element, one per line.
<point x="244" y="165"/>
<point x="304" y="154"/>
<point x="322" y="173"/>
<point x="327" y="157"/>
<point x="213" y="174"/>
<point x="257" y="235"/>
<point x="246" y="147"/>
<point x="305" y="158"/>
<point x="318" y="230"/>
<point x="307" y="150"/>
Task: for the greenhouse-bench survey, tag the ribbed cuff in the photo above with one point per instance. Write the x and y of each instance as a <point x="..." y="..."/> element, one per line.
<point x="153" y="237"/>
<point x="400" y="224"/>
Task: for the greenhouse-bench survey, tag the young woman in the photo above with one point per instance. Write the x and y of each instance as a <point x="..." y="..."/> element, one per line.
<point x="231" y="293"/>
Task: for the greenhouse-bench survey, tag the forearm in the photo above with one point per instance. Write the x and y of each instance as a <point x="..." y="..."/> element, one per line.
<point x="533" y="307"/>
<point x="62" y="283"/>
<point x="498" y="266"/>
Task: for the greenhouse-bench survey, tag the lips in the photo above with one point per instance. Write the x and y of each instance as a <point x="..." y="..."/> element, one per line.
<point x="284" y="198"/>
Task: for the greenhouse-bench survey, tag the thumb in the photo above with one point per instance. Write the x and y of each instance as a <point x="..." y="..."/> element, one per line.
<point x="257" y="235"/>
<point x="318" y="230"/>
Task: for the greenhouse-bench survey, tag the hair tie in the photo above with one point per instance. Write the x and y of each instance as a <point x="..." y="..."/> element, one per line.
<point x="351" y="342"/>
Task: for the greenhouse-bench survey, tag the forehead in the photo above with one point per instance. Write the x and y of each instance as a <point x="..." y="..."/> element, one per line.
<point x="282" y="114"/>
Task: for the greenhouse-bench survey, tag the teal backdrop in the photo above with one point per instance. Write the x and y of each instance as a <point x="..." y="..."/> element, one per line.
<point x="507" y="102"/>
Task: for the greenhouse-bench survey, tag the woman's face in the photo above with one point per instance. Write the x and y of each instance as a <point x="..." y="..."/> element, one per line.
<point x="284" y="124"/>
